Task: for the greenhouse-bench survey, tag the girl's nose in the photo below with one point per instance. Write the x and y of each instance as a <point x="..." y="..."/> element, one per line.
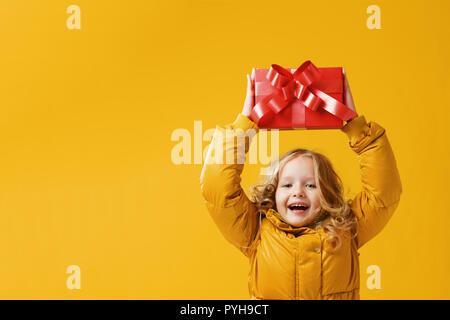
<point x="299" y="192"/>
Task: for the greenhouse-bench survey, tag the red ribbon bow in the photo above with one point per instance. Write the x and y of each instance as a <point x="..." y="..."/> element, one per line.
<point x="299" y="85"/>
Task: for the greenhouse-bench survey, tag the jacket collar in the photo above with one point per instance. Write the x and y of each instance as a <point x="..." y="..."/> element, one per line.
<point x="277" y="220"/>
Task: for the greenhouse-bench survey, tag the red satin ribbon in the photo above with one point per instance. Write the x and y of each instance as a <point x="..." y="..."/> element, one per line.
<point x="298" y="85"/>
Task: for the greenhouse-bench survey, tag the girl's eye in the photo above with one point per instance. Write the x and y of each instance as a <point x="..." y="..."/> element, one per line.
<point x="309" y="185"/>
<point x="287" y="185"/>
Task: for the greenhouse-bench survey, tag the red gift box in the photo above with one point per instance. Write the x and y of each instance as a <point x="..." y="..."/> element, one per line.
<point x="306" y="97"/>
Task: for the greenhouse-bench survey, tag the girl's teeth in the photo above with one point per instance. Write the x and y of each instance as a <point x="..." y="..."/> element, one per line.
<point x="298" y="208"/>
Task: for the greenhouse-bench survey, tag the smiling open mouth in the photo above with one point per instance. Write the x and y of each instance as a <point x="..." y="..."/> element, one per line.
<point x="298" y="208"/>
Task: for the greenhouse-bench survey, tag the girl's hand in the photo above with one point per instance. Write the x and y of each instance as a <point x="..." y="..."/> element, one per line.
<point x="348" y="98"/>
<point x="250" y="98"/>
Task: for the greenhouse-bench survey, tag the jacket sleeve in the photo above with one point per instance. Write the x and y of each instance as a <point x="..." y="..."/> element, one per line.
<point x="381" y="185"/>
<point x="234" y="214"/>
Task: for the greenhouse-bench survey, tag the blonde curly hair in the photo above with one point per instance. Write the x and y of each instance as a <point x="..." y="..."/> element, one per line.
<point x="336" y="219"/>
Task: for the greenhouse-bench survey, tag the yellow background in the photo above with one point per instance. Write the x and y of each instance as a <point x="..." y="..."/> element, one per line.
<point x="86" y="176"/>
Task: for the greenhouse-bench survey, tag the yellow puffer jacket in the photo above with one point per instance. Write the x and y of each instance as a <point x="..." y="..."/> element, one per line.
<point x="293" y="263"/>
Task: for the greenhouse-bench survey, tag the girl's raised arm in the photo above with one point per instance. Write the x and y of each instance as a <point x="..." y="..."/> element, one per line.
<point x="232" y="211"/>
<point x="381" y="185"/>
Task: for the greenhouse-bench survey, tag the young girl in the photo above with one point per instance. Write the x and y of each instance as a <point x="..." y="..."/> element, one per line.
<point x="299" y="233"/>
